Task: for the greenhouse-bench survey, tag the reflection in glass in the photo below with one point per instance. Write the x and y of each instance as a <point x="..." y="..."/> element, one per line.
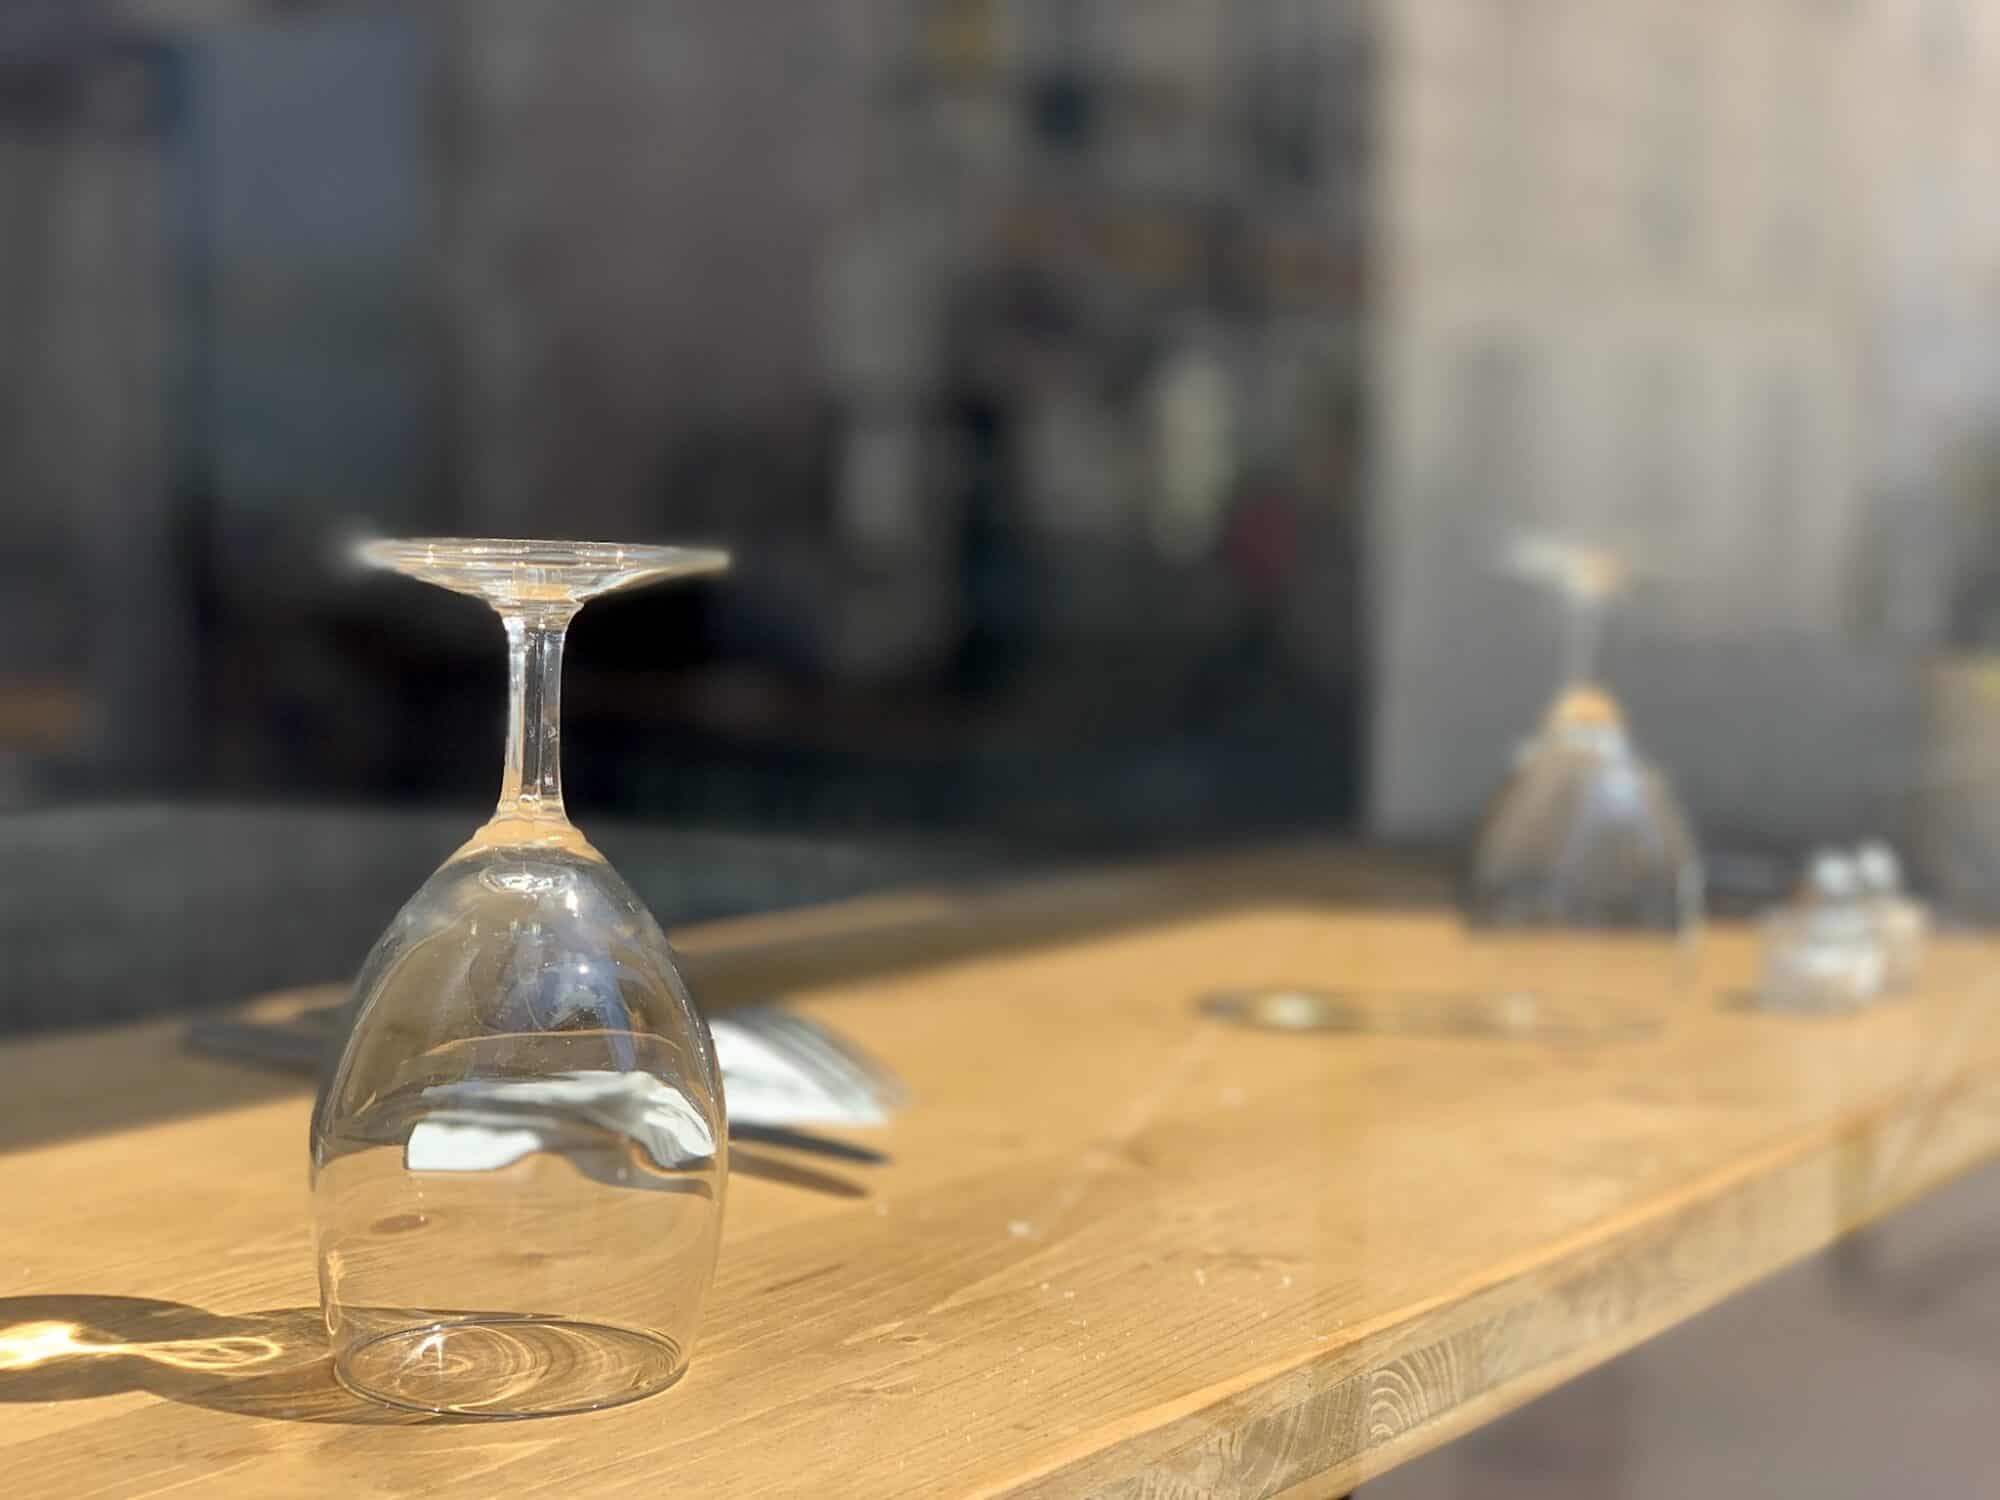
<point x="519" y="1161"/>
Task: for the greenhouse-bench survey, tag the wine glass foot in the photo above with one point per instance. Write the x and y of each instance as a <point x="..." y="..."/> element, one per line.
<point x="530" y="575"/>
<point x="510" y="1367"/>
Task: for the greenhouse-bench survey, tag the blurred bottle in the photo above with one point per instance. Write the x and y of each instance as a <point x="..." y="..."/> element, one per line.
<point x="1902" y="925"/>
<point x="1822" y="950"/>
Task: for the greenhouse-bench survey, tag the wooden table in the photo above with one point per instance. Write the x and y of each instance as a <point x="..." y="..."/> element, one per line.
<point x="1124" y="1248"/>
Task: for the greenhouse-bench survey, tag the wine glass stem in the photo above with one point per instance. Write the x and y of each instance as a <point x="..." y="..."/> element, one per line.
<point x="532" y="786"/>
<point x="1583" y="619"/>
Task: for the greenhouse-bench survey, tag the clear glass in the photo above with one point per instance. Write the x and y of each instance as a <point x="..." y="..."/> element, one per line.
<point x="1827" y="949"/>
<point x="518" y="1162"/>
<point x="1585" y="883"/>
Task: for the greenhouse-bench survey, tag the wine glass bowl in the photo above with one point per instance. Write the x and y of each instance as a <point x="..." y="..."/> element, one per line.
<point x="519" y="1161"/>
<point x="1584" y="833"/>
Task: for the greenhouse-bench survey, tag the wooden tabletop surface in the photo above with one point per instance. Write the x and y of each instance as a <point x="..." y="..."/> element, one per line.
<point x="1123" y="1247"/>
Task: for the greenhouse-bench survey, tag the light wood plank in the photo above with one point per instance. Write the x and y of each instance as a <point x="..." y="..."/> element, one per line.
<point x="1123" y="1248"/>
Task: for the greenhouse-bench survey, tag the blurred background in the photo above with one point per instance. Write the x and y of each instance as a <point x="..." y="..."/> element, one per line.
<point x="1116" y="408"/>
<point x="1119" y="410"/>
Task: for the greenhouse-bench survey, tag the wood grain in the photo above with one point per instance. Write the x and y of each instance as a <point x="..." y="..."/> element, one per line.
<point x="1123" y="1248"/>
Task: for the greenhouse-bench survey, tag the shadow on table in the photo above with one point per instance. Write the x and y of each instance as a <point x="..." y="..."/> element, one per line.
<point x="262" y="1364"/>
<point x="768" y="1168"/>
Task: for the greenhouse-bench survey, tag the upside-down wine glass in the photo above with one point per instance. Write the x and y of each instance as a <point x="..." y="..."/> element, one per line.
<point x="1583" y="898"/>
<point x="1585" y="885"/>
<point x="518" y="1161"/>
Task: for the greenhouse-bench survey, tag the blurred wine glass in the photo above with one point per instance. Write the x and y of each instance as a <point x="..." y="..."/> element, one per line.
<point x="1585" y="883"/>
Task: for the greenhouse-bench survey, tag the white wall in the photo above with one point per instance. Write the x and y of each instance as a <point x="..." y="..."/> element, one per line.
<point x="1625" y="296"/>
